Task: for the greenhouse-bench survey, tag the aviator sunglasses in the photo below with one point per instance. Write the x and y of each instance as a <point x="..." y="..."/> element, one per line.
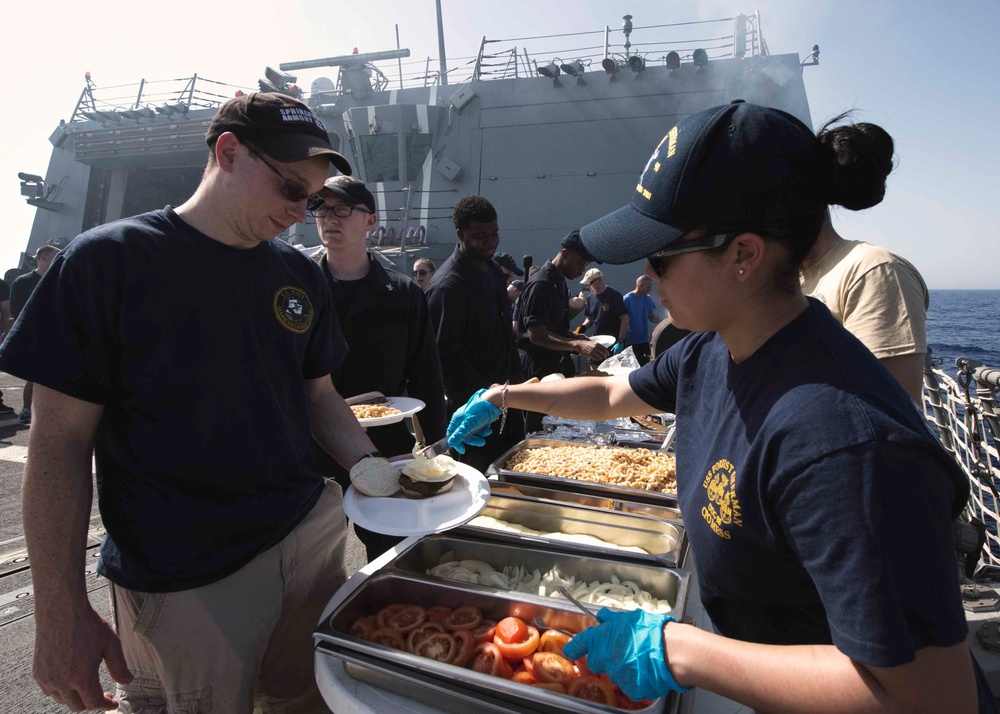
<point x="291" y="190"/>
<point x="421" y="272"/>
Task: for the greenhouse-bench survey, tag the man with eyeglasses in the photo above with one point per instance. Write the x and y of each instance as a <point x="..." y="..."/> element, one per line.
<point x="385" y="321"/>
<point x="192" y="352"/>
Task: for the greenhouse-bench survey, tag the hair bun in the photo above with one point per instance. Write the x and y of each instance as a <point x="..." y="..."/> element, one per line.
<point x="861" y="160"/>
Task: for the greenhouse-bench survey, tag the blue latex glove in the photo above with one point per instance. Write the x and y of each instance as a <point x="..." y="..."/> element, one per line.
<point x="470" y="424"/>
<point x="628" y="647"/>
<point x="617" y="348"/>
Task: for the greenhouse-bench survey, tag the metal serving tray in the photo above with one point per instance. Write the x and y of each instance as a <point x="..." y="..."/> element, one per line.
<point x="663" y="584"/>
<point x="449" y="684"/>
<point x="516" y="490"/>
<point x="664" y="541"/>
<point x="498" y="468"/>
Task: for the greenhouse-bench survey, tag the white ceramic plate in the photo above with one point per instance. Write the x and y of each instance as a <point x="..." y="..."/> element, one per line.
<point x="406" y="407"/>
<point x="604" y="340"/>
<point x="402" y="516"/>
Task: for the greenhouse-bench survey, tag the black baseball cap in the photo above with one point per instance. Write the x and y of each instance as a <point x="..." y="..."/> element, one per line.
<point x="350" y="190"/>
<point x="734" y="167"/>
<point x="282" y="127"/>
<point x="572" y="241"/>
<point x="506" y="260"/>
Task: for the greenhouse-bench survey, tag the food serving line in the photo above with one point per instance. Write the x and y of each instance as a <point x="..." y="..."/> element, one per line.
<point x="519" y="538"/>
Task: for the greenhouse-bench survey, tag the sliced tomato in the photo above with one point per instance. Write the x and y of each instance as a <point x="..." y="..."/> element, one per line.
<point x="623" y="702"/>
<point x="486" y="658"/>
<point x="409" y="618"/>
<point x="593" y="689"/>
<point x="438" y="646"/>
<point x="484" y="631"/>
<point x="380" y="618"/>
<point x="521" y="649"/>
<point x="438" y="613"/>
<point x="552" y="667"/>
<point x="581" y="665"/>
<point x="390" y="637"/>
<point x="464" y="618"/>
<point x="524" y="677"/>
<point x="363" y="627"/>
<point x="511" y="629"/>
<point x="529" y="666"/>
<point x="464" y="645"/>
<point x="553" y="641"/>
<point x="414" y="636"/>
<point x="551" y="686"/>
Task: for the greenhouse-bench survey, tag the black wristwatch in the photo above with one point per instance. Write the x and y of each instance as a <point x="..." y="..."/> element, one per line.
<point x="371" y="455"/>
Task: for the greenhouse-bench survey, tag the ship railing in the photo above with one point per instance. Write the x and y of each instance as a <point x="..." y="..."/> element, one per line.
<point x="964" y="413"/>
<point x="148" y="98"/>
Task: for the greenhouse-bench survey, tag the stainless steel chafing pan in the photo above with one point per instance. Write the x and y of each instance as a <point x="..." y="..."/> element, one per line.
<point x="446" y="684"/>
<point x="516" y="490"/>
<point x="661" y="583"/>
<point x="503" y="474"/>
<point x="663" y="541"/>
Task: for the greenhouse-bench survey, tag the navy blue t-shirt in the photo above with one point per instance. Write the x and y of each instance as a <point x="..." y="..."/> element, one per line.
<point x="817" y="502"/>
<point x="198" y="353"/>
<point x="605" y="312"/>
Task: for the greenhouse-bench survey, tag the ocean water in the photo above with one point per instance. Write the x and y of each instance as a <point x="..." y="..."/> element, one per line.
<point x="964" y="323"/>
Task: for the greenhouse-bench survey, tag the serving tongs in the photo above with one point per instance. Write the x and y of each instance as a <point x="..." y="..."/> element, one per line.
<point x="428" y="452"/>
<point x="540" y="623"/>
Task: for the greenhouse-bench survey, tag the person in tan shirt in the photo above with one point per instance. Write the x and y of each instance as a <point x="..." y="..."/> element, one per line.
<point x="878" y="296"/>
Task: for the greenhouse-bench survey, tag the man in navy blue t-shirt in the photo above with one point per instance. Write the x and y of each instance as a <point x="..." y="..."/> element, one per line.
<point x="199" y="399"/>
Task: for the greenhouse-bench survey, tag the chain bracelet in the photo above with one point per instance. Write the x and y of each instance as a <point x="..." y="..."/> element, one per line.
<point x="503" y="406"/>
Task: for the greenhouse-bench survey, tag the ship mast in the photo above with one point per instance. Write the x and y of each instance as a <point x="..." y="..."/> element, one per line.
<point x="444" y="60"/>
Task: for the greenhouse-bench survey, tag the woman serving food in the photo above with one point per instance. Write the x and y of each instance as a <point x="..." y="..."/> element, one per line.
<point x="811" y="489"/>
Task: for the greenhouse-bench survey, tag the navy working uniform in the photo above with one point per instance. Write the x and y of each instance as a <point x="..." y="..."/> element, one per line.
<point x="780" y="558"/>
<point x="544" y="302"/>
<point x="386" y="323"/>
<point x="471" y="315"/>
<point x="193" y="483"/>
<point x="605" y="312"/>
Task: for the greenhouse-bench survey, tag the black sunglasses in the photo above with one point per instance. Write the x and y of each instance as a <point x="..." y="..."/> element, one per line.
<point x="708" y="242"/>
<point x="291" y="190"/>
<point x="341" y="210"/>
<point x="421" y="272"/>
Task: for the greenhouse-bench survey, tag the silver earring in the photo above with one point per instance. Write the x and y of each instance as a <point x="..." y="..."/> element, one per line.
<point x="741" y="271"/>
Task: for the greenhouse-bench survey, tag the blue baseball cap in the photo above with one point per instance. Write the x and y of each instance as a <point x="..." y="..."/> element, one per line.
<point x="734" y="167"/>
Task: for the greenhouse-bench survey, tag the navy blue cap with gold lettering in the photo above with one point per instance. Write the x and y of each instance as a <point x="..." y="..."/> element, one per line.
<point x="734" y="167"/>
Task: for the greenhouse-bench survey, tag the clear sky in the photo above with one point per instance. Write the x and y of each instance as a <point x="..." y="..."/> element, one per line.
<point x="927" y="72"/>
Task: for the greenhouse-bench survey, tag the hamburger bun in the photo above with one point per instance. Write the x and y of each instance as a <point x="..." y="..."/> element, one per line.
<point x="423" y="478"/>
<point x="375" y="477"/>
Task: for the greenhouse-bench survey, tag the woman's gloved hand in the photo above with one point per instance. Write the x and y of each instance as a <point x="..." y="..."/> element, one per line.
<point x="470" y="424"/>
<point x="617" y="348"/>
<point x="628" y="647"/>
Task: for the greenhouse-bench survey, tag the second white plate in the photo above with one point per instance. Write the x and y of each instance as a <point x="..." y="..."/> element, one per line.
<point x="406" y="407"/>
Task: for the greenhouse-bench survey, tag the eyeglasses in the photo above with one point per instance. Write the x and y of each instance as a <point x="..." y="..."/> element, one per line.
<point x="341" y="210"/>
<point x="709" y="242"/>
<point x="421" y="272"/>
<point x="291" y="190"/>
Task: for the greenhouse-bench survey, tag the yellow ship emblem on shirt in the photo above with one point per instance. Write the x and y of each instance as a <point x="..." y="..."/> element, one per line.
<point x="723" y="508"/>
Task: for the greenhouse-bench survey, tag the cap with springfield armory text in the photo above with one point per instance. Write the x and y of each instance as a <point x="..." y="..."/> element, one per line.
<point x="278" y="125"/>
<point x="350" y="191"/>
<point x="732" y="167"/>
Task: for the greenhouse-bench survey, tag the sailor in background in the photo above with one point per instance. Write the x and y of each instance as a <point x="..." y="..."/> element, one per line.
<point x="878" y="296"/>
<point x="606" y="310"/>
<point x="471" y="315"/>
<point x="641" y="314"/>
<point x="384" y="317"/>
<point x="811" y="488"/>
